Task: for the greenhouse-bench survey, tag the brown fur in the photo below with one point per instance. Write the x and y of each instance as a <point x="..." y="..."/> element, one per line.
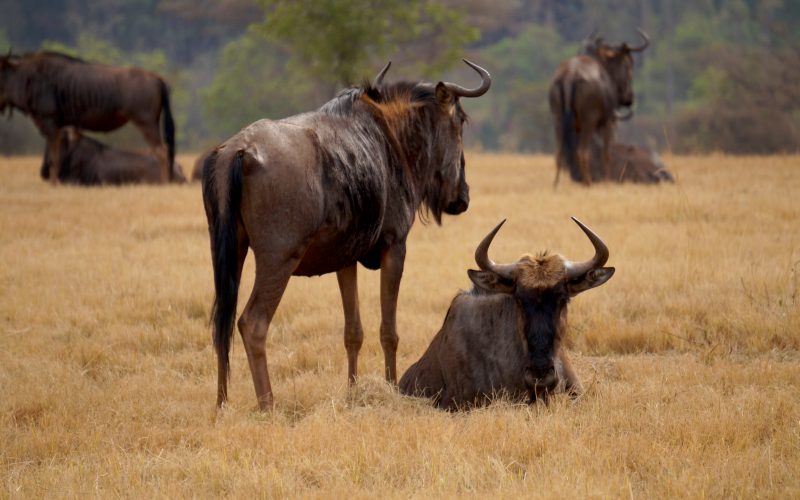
<point x="630" y="164"/>
<point x="585" y="93"/>
<point x="57" y="91"/>
<point x="86" y="161"/>
<point x="503" y="337"/>
<point x="320" y="192"/>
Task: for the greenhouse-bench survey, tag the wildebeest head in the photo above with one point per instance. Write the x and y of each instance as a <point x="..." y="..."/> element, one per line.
<point x="440" y="117"/>
<point x="618" y="63"/>
<point x="542" y="286"/>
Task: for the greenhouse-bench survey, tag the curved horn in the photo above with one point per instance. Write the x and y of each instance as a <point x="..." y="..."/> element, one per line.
<point x="485" y="83"/>
<point x="643" y="45"/>
<point x="485" y="263"/>
<point x="578" y="269"/>
<point x="622" y="116"/>
<point x="379" y="79"/>
<point x="589" y="40"/>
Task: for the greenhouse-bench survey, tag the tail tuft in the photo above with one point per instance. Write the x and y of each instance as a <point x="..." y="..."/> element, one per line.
<point x="222" y="217"/>
<point x="169" y="127"/>
<point x="569" y="138"/>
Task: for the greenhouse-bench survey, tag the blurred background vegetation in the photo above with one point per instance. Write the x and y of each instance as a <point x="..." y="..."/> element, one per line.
<point x="719" y="75"/>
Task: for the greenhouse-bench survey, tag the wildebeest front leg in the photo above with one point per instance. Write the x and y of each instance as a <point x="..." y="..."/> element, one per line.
<point x="392" y="263"/>
<point x="254" y="324"/>
<point x="53" y="154"/>
<point x="353" y="333"/>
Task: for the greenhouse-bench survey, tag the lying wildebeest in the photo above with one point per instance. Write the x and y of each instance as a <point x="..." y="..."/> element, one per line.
<point x="629" y="163"/>
<point x="57" y="90"/>
<point x="86" y="161"/>
<point x="197" y="170"/>
<point x="504" y="336"/>
<point x="320" y="192"/>
<point x="586" y="93"/>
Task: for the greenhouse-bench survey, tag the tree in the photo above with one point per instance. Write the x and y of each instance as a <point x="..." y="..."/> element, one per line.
<point x="252" y="82"/>
<point x="339" y="41"/>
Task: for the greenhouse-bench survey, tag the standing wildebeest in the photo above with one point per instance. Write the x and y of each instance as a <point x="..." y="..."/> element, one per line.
<point x="57" y="90"/>
<point x="585" y="95"/>
<point x="504" y="335"/>
<point x="320" y="192"/>
<point x="86" y="161"/>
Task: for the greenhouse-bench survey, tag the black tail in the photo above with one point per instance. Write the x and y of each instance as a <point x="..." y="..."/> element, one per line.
<point x="569" y="136"/>
<point x="44" y="172"/>
<point x="169" y="127"/>
<point x="222" y="211"/>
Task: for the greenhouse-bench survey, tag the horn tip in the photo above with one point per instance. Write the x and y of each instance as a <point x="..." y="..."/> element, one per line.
<point x="580" y="224"/>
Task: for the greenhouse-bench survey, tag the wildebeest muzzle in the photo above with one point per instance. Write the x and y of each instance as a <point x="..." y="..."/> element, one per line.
<point x="461" y="203"/>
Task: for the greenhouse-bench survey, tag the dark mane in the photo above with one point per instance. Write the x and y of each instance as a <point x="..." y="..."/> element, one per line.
<point x="57" y="55"/>
<point x="342" y="104"/>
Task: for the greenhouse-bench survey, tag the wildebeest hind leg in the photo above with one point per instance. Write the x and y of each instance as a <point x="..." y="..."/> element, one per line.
<point x="559" y="152"/>
<point x="254" y="324"/>
<point x="607" y="133"/>
<point x="584" y="156"/>
<point x="353" y="333"/>
<point x="153" y="138"/>
<point x="392" y="263"/>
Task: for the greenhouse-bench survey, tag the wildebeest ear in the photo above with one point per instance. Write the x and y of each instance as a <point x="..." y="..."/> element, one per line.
<point x="444" y="96"/>
<point x="489" y="281"/>
<point x="590" y="280"/>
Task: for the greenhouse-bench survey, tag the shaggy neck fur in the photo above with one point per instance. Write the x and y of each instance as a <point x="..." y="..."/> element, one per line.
<point x="407" y="116"/>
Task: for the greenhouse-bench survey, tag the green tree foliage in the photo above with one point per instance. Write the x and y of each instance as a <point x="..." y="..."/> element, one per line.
<point x="252" y="82"/>
<point x="338" y="41"/>
<point x="101" y="51"/>
<point x="714" y="78"/>
<point x="746" y="101"/>
<point x="515" y="114"/>
<point x="5" y="45"/>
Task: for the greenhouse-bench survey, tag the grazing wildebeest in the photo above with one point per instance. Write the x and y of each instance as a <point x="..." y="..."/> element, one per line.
<point x="57" y="90"/>
<point x="504" y="336"/>
<point x="586" y="94"/>
<point x="87" y="161"/>
<point x="629" y="163"/>
<point x="320" y="192"/>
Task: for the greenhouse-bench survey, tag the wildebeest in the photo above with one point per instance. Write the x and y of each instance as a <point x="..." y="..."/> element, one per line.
<point x="504" y="336"/>
<point x="629" y="163"/>
<point x="197" y="170"/>
<point x="322" y="191"/>
<point x="86" y="161"/>
<point x="57" y="90"/>
<point x="586" y="93"/>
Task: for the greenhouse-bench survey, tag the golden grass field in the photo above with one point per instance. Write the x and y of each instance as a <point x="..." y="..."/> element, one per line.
<point x="690" y="354"/>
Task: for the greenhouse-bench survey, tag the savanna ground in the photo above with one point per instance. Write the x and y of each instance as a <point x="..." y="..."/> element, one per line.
<point x="690" y="354"/>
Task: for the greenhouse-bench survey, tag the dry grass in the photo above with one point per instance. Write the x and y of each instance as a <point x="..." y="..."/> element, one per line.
<point x="690" y="353"/>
